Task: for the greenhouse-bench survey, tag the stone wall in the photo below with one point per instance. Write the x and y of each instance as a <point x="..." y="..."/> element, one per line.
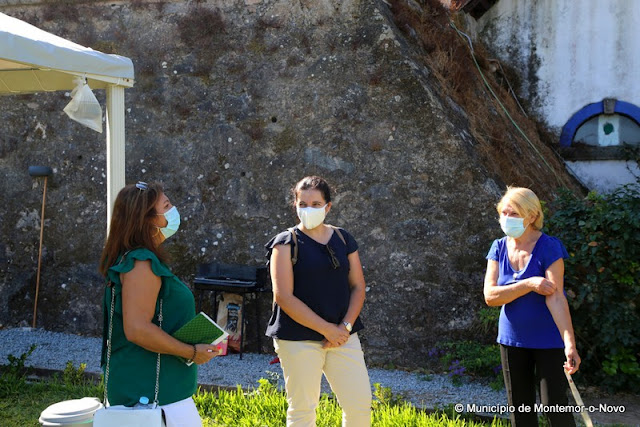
<point x="234" y="102"/>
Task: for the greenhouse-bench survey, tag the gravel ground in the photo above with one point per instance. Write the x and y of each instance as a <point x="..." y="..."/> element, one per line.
<point x="54" y="349"/>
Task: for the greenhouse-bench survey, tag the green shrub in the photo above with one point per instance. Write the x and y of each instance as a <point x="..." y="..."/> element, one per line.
<point x="16" y="364"/>
<point x="383" y="396"/>
<point x="470" y="358"/>
<point x="13" y="376"/>
<point x="488" y="318"/>
<point x="72" y="376"/>
<point x="602" y="235"/>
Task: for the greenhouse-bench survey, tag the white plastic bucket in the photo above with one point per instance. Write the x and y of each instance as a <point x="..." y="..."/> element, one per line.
<point x="71" y="413"/>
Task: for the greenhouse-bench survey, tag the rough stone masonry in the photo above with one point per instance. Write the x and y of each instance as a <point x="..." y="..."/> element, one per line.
<point x="234" y="102"/>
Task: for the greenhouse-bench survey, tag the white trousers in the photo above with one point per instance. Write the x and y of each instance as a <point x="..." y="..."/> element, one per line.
<point x="303" y="363"/>
<point x="182" y="414"/>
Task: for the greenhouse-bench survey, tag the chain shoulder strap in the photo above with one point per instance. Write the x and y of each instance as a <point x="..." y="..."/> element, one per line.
<point x="106" y="374"/>
<point x="155" y="397"/>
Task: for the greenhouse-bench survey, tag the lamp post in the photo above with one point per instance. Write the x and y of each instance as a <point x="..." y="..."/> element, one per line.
<point x="40" y="171"/>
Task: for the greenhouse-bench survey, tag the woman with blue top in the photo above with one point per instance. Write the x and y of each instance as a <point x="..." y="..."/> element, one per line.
<point x="318" y="290"/>
<point x="140" y="288"/>
<point x="525" y="275"/>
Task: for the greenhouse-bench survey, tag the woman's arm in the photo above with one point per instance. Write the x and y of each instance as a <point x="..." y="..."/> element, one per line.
<point x="357" y="287"/>
<point x="495" y="295"/>
<point x="281" y="271"/>
<point x="559" y="308"/>
<point x="140" y="288"/>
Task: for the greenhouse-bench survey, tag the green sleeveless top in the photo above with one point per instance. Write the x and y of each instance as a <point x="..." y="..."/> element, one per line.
<point x="132" y="369"/>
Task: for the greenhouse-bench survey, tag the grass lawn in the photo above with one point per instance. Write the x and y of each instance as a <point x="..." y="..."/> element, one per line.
<point x="21" y="404"/>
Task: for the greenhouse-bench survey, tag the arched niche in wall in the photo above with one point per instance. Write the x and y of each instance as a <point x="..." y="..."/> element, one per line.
<point x="601" y="131"/>
<point x="600" y="144"/>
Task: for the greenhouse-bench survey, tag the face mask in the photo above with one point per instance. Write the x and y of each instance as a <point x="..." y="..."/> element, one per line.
<point x="173" y="222"/>
<point x="311" y="217"/>
<point x="512" y="227"/>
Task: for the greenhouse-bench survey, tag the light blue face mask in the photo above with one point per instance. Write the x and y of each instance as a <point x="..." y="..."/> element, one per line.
<point x="512" y="226"/>
<point x="173" y="222"/>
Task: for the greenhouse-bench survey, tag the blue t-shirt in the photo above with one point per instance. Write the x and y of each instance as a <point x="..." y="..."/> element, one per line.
<point x="526" y="321"/>
<point x="323" y="288"/>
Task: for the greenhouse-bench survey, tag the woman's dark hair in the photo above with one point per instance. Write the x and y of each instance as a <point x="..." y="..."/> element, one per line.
<point x="312" y="183"/>
<point x="131" y="224"/>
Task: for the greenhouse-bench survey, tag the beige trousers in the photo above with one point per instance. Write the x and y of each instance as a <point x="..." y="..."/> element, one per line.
<point x="303" y="363"/>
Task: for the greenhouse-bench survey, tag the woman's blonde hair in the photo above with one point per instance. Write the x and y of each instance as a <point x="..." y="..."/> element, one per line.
<point x="525" y="203"/>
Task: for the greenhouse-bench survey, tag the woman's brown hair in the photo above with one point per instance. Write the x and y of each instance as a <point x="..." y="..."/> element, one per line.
<point x="131" y="224"/>
<point x="312" y="183"/>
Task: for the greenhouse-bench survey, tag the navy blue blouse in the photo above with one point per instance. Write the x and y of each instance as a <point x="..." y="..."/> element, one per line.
<point x="323" y="288"/>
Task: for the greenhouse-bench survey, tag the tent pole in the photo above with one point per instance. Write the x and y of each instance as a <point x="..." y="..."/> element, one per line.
<point x="115" y="146"/>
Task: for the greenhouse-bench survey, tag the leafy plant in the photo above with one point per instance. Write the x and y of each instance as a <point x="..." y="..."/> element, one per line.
<point x="16" y="364"/>
<point x="456" y="372"/>
<point x="462" y="358"/>
<point x="602" y="281"/>
<point x="272" y="377"/>
<point x="624" y="361"/>
<point x="74" y="376"/>
<point x="13" y="378"/>
<point x="488" y="319"/>
<point x="383" y="396"/>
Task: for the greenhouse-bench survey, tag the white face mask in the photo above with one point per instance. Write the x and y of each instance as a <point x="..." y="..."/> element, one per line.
<point x="512" y="226"/>
<point x="311" y="217"/>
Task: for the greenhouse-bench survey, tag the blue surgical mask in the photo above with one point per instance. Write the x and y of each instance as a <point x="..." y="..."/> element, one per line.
<point x="512" y="226"/>
<point x="173" y="222"/>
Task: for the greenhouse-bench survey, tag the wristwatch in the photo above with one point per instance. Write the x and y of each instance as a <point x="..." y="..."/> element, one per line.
<point x="348" y="326"/>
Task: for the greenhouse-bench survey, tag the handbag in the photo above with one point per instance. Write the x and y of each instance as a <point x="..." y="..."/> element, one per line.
<point x="123" y="416"/>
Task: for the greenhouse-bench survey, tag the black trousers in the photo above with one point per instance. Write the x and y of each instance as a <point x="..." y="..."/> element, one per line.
<point x="523" y="369"/>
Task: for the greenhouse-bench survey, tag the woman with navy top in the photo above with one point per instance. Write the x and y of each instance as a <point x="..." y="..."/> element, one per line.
<point x="318" y="290"/>
<point x="525" y="275"/>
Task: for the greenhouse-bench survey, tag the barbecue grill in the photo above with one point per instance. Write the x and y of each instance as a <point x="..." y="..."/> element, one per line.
<point x="234" y="278"/>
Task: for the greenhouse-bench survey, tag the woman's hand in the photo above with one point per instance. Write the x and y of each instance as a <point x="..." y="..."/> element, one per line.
<point x="140" y="288"/>
<point x="541" y="285"/>
<point x="335" y="336"/>
<point x="495" y="295"/>
<point x="573" y="360"/>
<point x="204" y="353"/>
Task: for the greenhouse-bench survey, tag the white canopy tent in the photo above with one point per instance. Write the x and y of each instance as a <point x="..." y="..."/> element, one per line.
<point x="33" y="60"/>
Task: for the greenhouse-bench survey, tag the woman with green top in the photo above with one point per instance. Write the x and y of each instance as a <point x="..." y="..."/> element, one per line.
<point x="133" y="264"/>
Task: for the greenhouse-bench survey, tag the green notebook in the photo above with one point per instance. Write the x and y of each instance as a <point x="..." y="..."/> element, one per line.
<point x="200" y="330"/>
